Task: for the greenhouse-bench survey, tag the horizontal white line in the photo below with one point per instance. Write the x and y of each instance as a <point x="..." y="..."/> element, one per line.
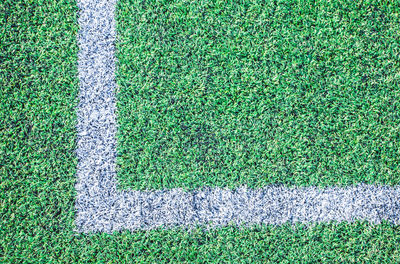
<point x="214" y="206"/>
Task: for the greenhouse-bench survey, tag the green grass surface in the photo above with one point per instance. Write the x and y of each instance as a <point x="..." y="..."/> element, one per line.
<point x="38" y="87"/>
<point x="257" y="92"/>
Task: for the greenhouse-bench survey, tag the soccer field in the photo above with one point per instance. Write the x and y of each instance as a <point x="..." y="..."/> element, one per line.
<point x="210" y="94"/>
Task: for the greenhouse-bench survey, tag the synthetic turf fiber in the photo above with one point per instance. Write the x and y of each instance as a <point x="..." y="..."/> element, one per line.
<point x="39" y="87"/>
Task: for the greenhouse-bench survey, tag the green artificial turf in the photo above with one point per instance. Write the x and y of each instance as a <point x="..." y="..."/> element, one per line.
<point x="38" y="87"/>
<point x="230" y="93"/>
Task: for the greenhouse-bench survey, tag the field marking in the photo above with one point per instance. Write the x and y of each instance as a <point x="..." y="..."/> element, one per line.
<point x="101" y="208"/>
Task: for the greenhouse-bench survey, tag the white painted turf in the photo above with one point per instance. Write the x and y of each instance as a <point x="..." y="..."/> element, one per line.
<point x="101" y="208"/>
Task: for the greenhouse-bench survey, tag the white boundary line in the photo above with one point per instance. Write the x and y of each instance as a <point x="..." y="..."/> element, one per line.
<point x="101" y="208"/>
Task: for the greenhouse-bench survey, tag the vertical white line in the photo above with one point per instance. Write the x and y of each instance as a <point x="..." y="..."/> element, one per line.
<point x="96" y="151"/>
